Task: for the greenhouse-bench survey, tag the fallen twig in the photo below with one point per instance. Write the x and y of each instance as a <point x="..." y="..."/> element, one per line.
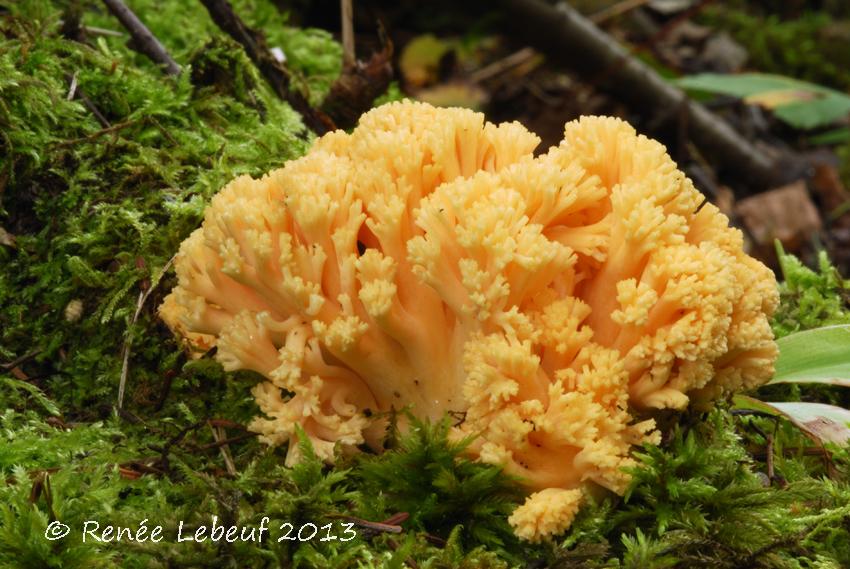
<point x="220" y="442"/>
<point x="224" y="449"/>
<point x="502" y="65"/>
<point x="768" y="454"/>
<point x="94" y="30"/>
<point x="617" y="9"/>
<point x="273" y="70"/>
<point x="163" y="462"/>
<point x="74" y="91"/>
<point x="128" y="341"/>
<point x="435" y="540"/>
<point x="792" y="451"/>
<point x="347" y="17"/>
<point x="751" y="412"/>
<point x="760" y="553"/>
<point x="226" y="423"/>
<point x="93" y="109"/>
<point x="41" y="486"/>
<point x="396" y="519"/>
<point x="164" y="131"/>
<point x="168" y="379"/>
<point x="565" y="34"/>
<point x="768" y="450"/>
<point x="101" y="132"/>
<point x="366" y="524"/>
<point x="131" y="417"/>
<point x="20" y="359"/>
<point x="135" y="469"/>
<point x="360" y="83"/>
<point x="125" y="350"/>
<point x="145" y="41"/>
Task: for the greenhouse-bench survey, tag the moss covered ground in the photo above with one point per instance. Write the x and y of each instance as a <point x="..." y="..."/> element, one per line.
<point x="106" y="164"/>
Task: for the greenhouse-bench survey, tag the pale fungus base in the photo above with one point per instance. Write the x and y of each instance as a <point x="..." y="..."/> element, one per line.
<point x="429" y="260"/>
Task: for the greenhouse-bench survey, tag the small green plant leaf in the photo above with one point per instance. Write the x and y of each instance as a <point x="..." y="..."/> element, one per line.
<point x="835" y="136"/>
<point x="821" y="422"/>
<point x="36" y="393"/>
<point x="821" y="355"/>
<point x="799" y="103"/>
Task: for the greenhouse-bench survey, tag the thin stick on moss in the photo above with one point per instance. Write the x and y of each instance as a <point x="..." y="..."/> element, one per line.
<point x="617" y="9"/>
<point x="128" y="341"/>
<point x="125" y="351"/>
<point x="347" y="17"/>
<point x="498" y="67"/>
<point x="101" y="132"/>
<point x="226" y="424"/>
<point x="273" y="70"/>
<point x="21" y="359"/>
<point x="220" y="438"/>
<point x="221" y="442"/>
<point x="95" y="31"/>
<point x="771" y="474"/>
<point x="145" y="41"/>
<point x="74" y="91"/>
<point x="375" y="526"/>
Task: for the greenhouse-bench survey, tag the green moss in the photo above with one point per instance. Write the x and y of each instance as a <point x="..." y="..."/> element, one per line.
<point x="312" y="54"/>
<point x="443" y="493"/>
<point x="98" y="211"/>
<point x="700" y="500"/>
<point x="82" y="471"/>
<point x="809" y="298"/>
<point x="804" y="47"/>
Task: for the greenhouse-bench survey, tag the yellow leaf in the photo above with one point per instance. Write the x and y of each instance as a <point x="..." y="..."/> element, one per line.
<point x="781" y="97"/>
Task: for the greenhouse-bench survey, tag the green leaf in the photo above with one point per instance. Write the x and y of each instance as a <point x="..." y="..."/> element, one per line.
<point x="821" y="355"/>
<point x="821" y="422"/>
<point x="799" y="103"/>
<point x="835" y="136"/>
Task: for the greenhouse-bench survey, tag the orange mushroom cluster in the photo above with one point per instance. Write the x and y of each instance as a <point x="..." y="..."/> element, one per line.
<point x="429" y="260"/>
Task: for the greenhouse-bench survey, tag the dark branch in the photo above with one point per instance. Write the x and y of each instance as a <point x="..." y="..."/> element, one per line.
<point x="20" y="359"/>
<point x="144" y="40"/>
<point x="564" y="34"/>
<point x="275" y="73"/>
<point x="358" y="85"/>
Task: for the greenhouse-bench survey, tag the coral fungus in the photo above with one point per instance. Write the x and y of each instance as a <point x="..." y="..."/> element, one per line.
<point x="429" y="260"/>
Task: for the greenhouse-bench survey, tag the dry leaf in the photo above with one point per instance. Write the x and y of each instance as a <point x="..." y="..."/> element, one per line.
<point x="780" y="97"/>
<point x="786" y="213"/>
<point x="420" y="59"/>
<point x="833" y="196"/>
<point x="454" y="95"/>
<point x="821" y="422"/>
<point x="6" y="238"/>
